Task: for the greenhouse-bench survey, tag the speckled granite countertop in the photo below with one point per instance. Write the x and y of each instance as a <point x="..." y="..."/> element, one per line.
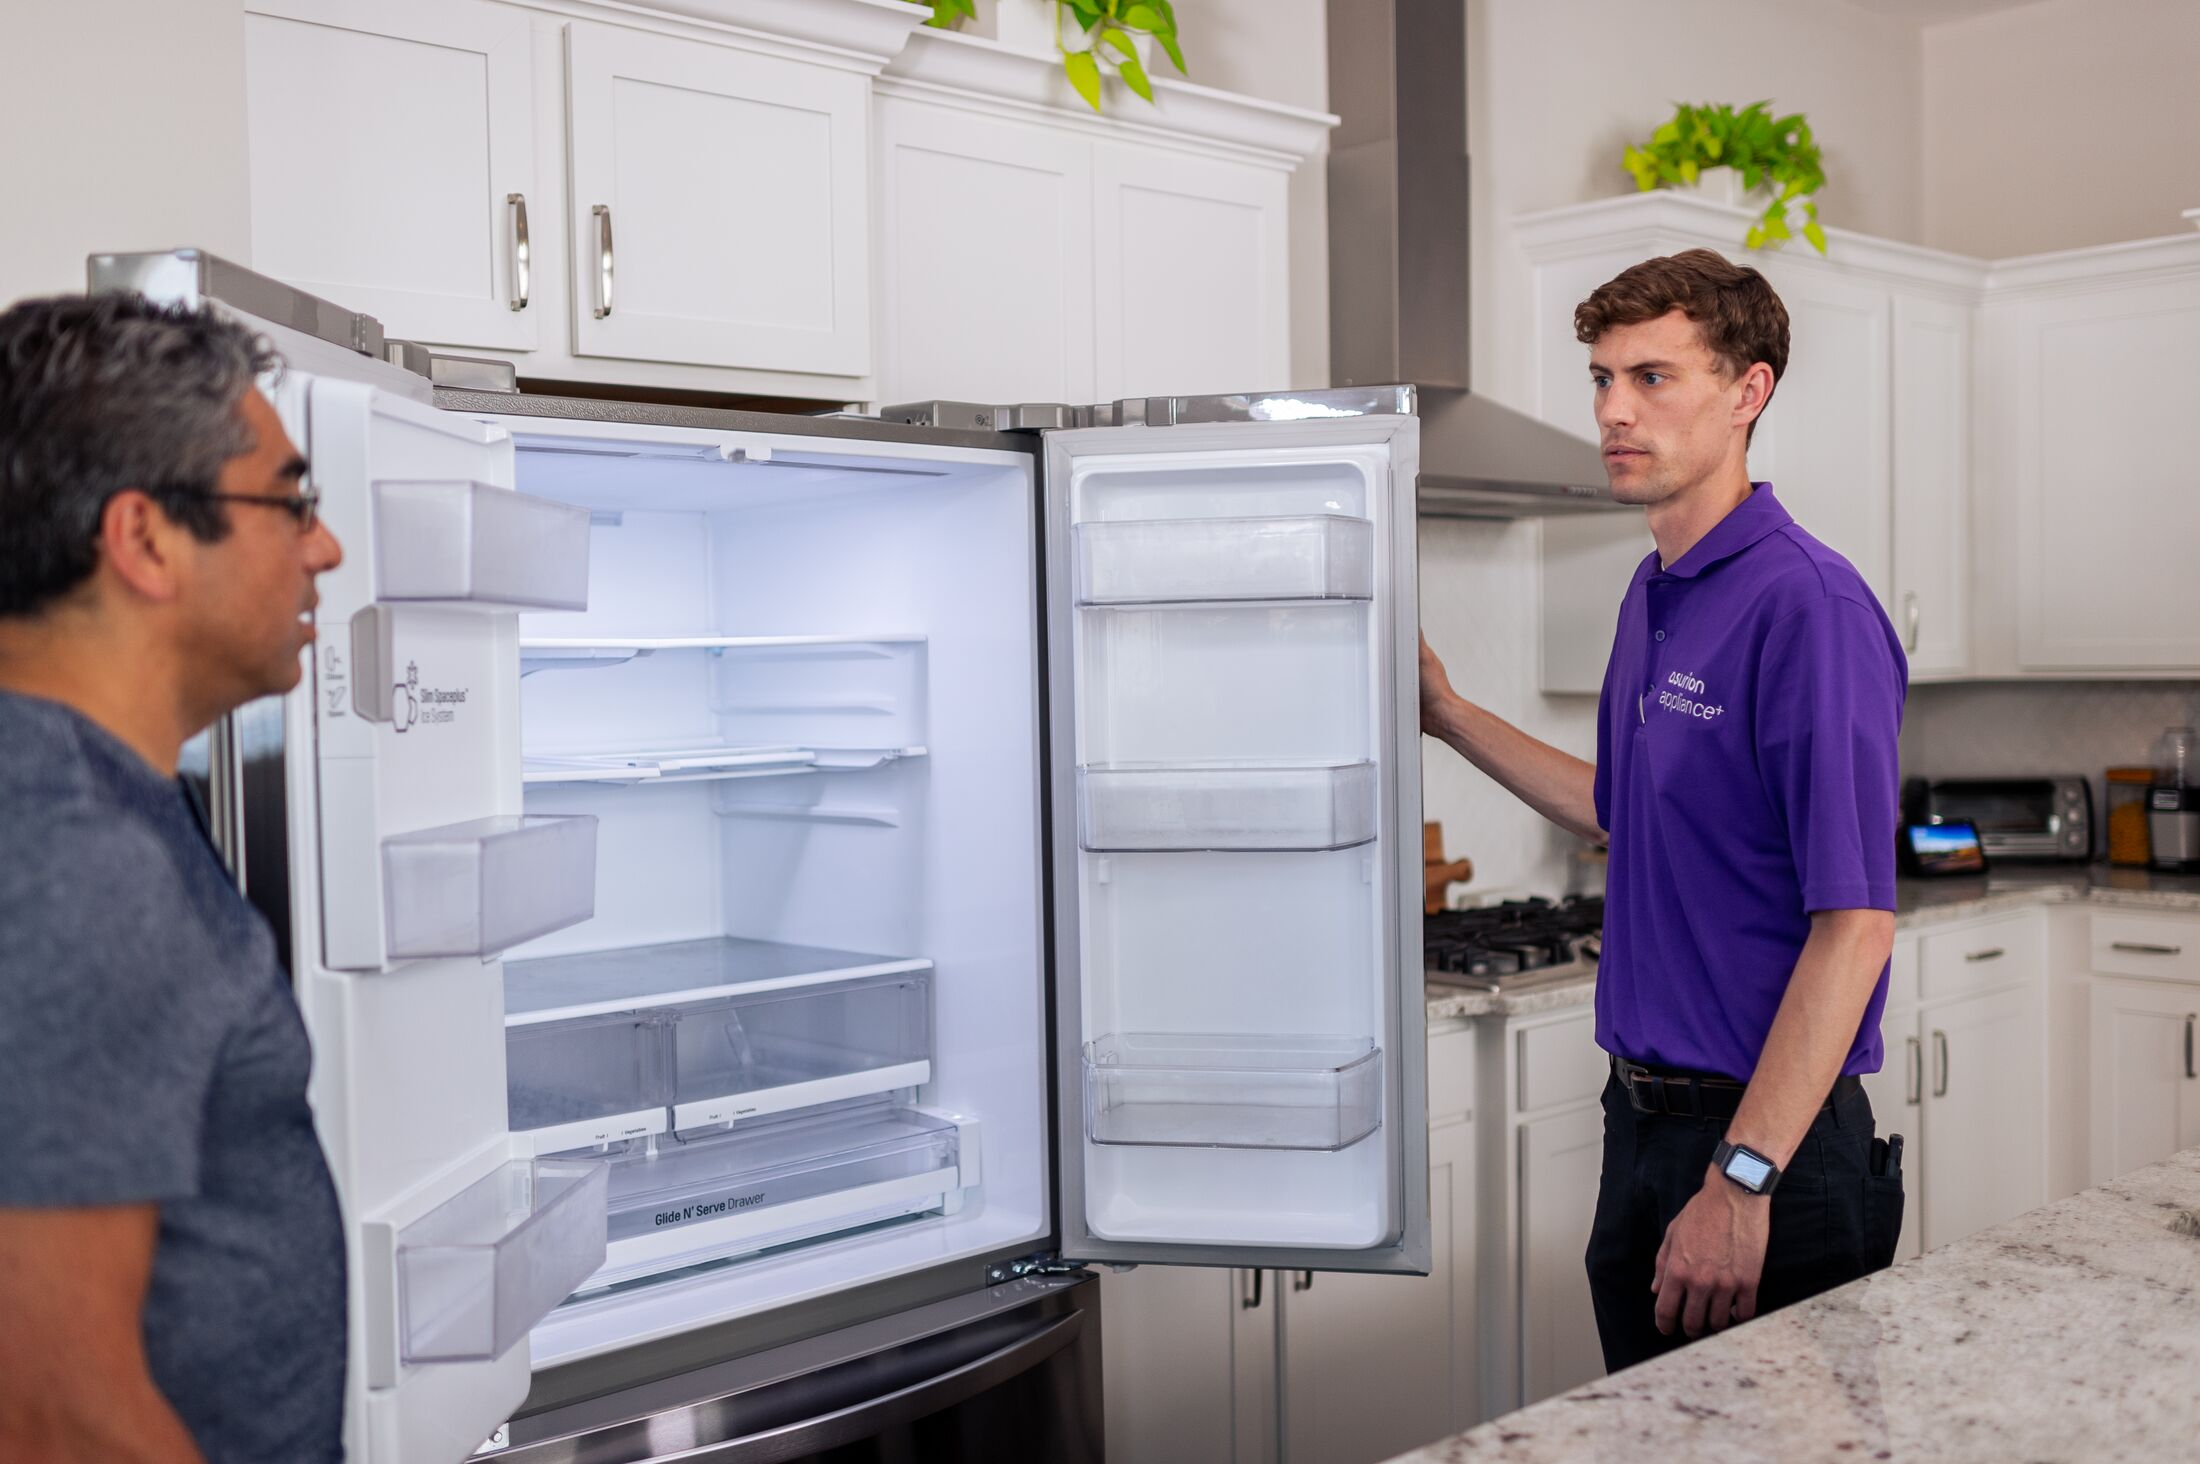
<point x="1917" y="902"/>
<point x="2070" y="1333"/>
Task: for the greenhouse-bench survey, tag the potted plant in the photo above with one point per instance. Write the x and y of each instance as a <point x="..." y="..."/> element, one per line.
<point x="1746" y="151"/>
<point x="1093" y="37"/>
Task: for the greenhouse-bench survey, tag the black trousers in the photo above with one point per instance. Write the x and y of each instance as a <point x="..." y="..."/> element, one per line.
<point x="1832" y="1218"/>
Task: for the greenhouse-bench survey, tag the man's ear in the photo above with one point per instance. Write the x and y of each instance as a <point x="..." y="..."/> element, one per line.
<point x="141" y="546"/>
<point x="1756" y="384"/>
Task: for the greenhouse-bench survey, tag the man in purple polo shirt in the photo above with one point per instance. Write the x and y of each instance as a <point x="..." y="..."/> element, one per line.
<point x="1746" y="772"/>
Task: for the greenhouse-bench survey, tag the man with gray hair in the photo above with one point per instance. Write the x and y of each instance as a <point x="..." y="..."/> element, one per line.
<point x="171" y="1253"/>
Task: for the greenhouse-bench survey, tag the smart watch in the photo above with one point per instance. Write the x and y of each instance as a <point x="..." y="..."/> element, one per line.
<point x="1746" y="1167"/>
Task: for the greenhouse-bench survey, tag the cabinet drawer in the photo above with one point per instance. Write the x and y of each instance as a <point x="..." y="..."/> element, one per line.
<point x="2161" y="946"/>
<point x="1451" y="1074"/>
<point x="2005" y="951"/>
<point x="1561" y="1063"/>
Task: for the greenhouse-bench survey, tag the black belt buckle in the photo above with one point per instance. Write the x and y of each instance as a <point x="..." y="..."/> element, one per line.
<point x="1659" y="1085"/>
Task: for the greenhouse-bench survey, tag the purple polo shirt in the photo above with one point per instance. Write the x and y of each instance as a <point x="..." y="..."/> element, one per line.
<point x="1747" y="773"/>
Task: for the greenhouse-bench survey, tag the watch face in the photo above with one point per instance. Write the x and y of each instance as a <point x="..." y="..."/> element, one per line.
<point x="1747" y="1169"/>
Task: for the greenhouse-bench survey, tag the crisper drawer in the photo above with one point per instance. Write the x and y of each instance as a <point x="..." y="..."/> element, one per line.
<point x="738" y="1057"/>
<point x="750" y="1188"/>
<point x="1227" y="806"/>
<point x="1158" y="561"/>
<point x="2161" y="946"/>
<point x="1232" y="1091"/>
<point x="589" y="1082"/>
<point x="2008" y="950"/>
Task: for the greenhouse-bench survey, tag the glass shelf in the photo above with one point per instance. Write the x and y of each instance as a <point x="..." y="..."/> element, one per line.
<point x="486" y="885"/>
<point x="631" y="978"/>
<point x="1164" y="561"/>
<point x="480" y="1269"/>
<point x="632" y="767"/>
<point x="1225" y="806"/>
<point x="582" y="653"/>
<point x="462" y="543"/>
<point x="1232" y="1091"/>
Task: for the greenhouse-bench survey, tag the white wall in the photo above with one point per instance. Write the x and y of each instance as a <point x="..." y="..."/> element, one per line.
<point x="122" y="126"/>
<point x="2061" y="124"/>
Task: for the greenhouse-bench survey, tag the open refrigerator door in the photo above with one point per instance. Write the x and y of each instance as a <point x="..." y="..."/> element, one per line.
<point x="1240" y="1031"/>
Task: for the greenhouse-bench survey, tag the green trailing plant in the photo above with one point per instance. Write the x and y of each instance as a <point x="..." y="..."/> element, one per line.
<point x="1774" y="152"/>
<point x="1111" y="24"/>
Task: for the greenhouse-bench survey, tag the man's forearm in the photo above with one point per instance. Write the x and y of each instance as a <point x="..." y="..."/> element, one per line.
<point x="1813" y="1029"/>
<point x="1556" y="784"/>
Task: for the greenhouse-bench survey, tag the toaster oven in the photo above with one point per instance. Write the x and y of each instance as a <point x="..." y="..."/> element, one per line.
<point x="2017" y="818"/>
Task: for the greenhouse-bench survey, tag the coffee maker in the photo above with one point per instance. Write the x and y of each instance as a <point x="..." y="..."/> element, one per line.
<point x="2173" y="804"/>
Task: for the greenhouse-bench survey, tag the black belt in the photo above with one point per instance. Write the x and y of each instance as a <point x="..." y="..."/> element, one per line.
<point x="1696" y="1095"/>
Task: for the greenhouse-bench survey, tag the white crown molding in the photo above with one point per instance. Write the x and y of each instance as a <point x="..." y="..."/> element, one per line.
<point x="972" y="72"/>
<point x="856" y="35"/>
<point x="2104" y="266"/>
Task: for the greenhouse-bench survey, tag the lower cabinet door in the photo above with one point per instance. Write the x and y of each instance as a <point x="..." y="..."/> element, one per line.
<point x="2145" y="1097"/>
<point x="1374" y="1366"/>
<point x="1985" y="1146"/>
<point x="1897" y="1096"/>
<point x="1188" y="1358"/>
<point x="1560" y="1160"/>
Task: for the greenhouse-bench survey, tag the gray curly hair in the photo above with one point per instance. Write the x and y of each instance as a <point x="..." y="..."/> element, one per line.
<point x="103" y="393"/>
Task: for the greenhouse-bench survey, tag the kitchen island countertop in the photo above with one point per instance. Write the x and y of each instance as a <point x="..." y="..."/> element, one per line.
<point x="2069" y="1333"/>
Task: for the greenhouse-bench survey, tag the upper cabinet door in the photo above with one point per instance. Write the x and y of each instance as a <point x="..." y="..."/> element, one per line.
<point x="965" y="198"/>
<point x="1932" y="484"/>
<point x="392" y="161"/>
<point x="1236" y="795"/>
<point x="718" y="213"/>
<point x="1193" y="274"/>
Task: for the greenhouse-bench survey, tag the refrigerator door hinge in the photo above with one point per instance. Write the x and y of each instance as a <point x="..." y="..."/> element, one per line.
<point x="1046" y="1263"/>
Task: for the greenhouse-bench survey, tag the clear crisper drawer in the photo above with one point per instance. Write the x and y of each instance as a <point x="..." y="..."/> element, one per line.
<point x="589" y="1081"/>
<point x="473" y="543"/>
<point x="1316" y="557"/>
<point x="767" y="1052"/>
<point x="477" y="888"/>
<point x="477" y="1271"/>
<point x="751" y="1188"/>
<point x="1226" y="806"/>
<point x="1232" y="1091"/>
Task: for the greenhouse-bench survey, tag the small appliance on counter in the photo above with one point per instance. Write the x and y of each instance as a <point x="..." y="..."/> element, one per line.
<point x="2129" y="791"/>
<point x="2044" y="819"/>
<point x="2173" y="804"/>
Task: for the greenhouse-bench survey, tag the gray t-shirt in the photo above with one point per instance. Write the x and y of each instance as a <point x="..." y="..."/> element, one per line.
<point x="151" y="1051"/>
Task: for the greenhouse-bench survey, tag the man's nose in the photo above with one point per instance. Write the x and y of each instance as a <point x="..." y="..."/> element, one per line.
<point x="1615" y="406"/>
<point x="323" y="552"/>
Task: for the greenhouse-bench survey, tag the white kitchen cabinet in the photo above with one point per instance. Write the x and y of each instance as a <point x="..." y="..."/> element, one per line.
<point x="392" y="162"/>
<point x="1191" y="269"/>
<point x="719" y="211"/>
<point x="1189" y="1358"/>
<point x="1931" y="581"/>
<point x="1897" y="1097"/>
<point x="1984" y="1114"/>
<point x="1561" y="1158"/>
<point x="986" y="264"/>
<point x="1374" y="1366"/>
<point x="2145" y="1099"/>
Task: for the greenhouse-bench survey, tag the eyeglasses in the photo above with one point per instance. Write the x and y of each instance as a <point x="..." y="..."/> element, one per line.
<point x="304" y="508"/>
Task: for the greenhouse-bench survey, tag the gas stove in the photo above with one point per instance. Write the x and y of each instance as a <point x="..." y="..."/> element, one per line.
<point x="1504" y="946"/>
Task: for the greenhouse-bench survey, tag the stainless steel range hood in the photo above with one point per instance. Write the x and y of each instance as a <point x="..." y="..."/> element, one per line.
<point x="1398" y="305"/>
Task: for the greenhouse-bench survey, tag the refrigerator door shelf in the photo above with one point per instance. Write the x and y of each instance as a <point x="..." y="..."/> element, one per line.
<point x="465" y="543"/>
<point x="1227" y="807"/>
<point x="631" y="978"/>
<point x="1160" y="561"/>
<point x="475" y="1273"/>
<point x="749" y="1189"/>
<point x="481" y="887"/>
<point x="1233" y="1091"/>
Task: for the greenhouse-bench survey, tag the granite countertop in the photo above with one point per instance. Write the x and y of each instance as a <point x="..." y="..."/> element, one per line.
<point x="1917" y="902"/>
<point x="2069" y="1333"/>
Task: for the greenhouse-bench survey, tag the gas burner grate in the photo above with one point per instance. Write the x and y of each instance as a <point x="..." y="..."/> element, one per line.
<point x="1512" y="938"/>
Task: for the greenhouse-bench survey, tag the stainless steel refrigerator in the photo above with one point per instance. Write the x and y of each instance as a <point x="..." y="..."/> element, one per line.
<point x="774" y="896"/>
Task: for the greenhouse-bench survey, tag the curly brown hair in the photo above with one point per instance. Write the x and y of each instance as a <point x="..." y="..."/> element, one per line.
<point x="1735" y="309"/>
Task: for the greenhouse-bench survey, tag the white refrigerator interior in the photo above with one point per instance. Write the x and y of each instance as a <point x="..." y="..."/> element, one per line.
<point x="1233" y="653"/>
<point x="804" y="1029"/>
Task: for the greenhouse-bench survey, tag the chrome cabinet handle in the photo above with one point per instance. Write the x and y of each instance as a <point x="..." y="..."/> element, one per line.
<point x="1249" y="1299"/>
<point x="1303" y="1282"/>
<point x="1991" y="953"/>
<point x="602" y="214"/>
<point x="1913" y="1070"/>
<point x="1911" y="614"/>
<point x="523" y="254"/>
<point x="2190" y="1018"/>
<point x="1940" y="1053"/>
<point x="2144" y="948"/>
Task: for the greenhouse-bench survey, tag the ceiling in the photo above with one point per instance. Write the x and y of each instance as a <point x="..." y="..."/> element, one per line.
<point x="1936" y="12"/>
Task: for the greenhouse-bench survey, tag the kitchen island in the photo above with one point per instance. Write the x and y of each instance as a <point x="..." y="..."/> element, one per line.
<point x="2069" y="1333"/>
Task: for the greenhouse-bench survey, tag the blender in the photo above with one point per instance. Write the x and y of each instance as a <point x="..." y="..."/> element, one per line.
<point x="2173" y="804"/>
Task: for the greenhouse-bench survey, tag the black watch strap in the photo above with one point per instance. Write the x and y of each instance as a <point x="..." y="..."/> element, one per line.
<point x="1745" y="1167"/>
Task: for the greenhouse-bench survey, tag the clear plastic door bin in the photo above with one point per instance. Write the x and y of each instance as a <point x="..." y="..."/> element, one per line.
<point x="1226" y="806"/>
<point x="476" y="1272"/>
<point x="1232" y="1091"/>
<point x="1313" y="557"/>
<point x="484" y="886"/>
<point x="460" y="543"/>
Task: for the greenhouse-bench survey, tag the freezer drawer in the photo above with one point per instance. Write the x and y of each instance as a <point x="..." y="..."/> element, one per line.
<point x="1232" y="1091"/>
